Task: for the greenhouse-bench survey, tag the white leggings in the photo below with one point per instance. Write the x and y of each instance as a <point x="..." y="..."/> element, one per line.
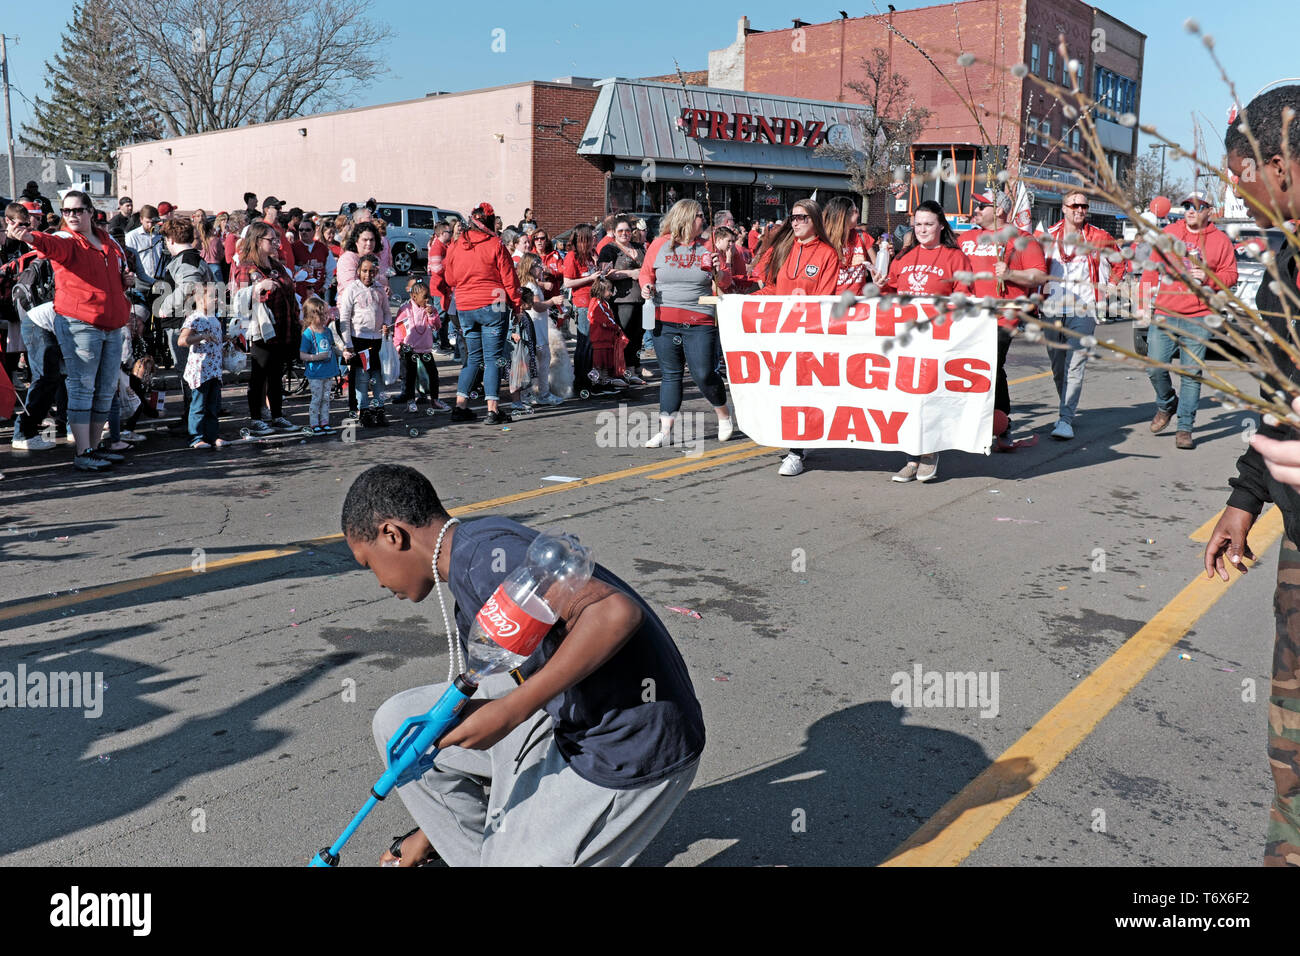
<point x="541" y="387"/>
<point x="322" y="391"/>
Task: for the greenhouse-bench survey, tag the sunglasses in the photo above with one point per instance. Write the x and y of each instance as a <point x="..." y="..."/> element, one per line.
<point x="1076" y="205"/>
<point x="1193" y="205"/>
<point x="800" y="217"/>
<point x="73" y="210"/>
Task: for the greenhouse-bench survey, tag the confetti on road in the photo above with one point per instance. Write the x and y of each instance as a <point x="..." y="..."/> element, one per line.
<point x="687" y="611"/>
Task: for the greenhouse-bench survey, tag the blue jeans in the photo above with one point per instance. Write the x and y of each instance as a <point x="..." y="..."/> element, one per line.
<point x="1161" y="345"/>
<point x="92" y="357"/>
<point x="484" y="331"/>
<point x="204" y="402"/>
<point x="677" y="346"/>
<point x="45" y="361"/>
<point x="1069" y="362"/>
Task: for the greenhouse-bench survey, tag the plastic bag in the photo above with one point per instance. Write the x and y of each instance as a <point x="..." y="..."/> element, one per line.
<point x="130" y="400"/>
<point x="389" y="361"/>
<point x="234" y="361"/>
<point x="519" y="374"/>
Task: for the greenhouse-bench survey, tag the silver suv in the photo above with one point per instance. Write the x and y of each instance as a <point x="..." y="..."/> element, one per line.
<point x="410" y="228"/>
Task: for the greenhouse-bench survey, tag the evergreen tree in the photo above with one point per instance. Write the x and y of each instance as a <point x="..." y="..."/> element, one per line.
<point x="94" y="101"/>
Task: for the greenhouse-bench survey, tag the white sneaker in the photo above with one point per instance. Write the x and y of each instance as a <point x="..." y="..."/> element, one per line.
<point x="552" y="399"/>
<point x="1063" y="431"/>
<point x="35" y="443"/>
<point x="791" y="465"/>
<point x="727" y="428"/>
<point x="133" y="437"/>
<point x="657" y="441"/>
<point x="928" y="468"/>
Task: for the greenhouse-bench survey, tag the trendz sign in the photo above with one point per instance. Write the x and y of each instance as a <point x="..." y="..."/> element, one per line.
<point x="746" y="128"/>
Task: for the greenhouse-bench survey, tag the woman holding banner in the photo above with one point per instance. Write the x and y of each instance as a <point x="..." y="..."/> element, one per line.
<point x="929" y="267"/>
<point x="798" y="259"/>
<point x="677" y="271"/>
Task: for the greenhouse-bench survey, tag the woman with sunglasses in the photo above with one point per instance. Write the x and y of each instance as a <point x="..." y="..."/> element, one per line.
<point x="260" y="267"/>
<point x="678" y="269"/>
<point x="90" y="306"/>
<point x="797" y="259"/>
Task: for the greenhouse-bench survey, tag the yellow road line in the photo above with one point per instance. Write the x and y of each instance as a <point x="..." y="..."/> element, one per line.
<point x="753" y="452"/>
<point x="965" y="821"/>
<point x="717" y="456"/>
<point x="1029" y="378"/>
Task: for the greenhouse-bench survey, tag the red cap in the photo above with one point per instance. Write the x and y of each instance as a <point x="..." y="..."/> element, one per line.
<point x="983" y="199"/>
<point x="165" y="208"/>
<point x="486" y="209"/>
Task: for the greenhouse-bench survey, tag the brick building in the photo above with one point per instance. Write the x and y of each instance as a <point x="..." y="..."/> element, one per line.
<point x="1033" y="137"/>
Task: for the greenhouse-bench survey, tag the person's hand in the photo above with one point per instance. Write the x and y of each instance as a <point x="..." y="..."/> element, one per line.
<point x="347" y="356"/>
<point x="648" y="291"/>
<point x="999" y="269"/>
<point x="1229" y="536"/>
<point x="17" y="230"/>
<point x="706" y="261"/>
<point x="1197" y="273"/>
<point x="1282" y="457"/>
<point x="485" y="723"/>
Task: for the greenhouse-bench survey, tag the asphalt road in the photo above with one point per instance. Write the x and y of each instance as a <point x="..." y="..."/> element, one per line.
<point x="226" y="737"/>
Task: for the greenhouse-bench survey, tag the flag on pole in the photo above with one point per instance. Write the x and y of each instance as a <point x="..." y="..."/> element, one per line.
<point x="1022" y="213"/>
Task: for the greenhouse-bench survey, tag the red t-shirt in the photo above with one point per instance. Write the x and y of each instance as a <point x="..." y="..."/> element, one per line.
<point x="581" y="296"/>
<point x="312" y="261"/>
<point x="920" y="271"/>
<point x="604" y="241"/>
<point x="853" y="262"/>
<point x="984" y="252"/>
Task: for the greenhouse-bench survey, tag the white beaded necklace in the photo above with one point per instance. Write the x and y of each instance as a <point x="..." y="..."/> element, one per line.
<point x="455" y="662"/>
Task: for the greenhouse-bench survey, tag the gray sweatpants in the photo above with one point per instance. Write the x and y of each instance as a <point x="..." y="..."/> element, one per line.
<point x="520" y="803"/>
<point x="1069" y="362"/>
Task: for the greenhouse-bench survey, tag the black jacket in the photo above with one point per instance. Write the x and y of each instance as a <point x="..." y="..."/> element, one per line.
<point x="1253" y="486"/>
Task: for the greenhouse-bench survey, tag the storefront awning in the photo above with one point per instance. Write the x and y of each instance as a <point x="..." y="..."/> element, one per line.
<point x="643" y="120"/>
<point x="731" y="175"/>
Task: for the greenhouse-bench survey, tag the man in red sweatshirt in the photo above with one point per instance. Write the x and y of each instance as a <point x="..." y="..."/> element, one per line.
<point x="1211" y="263"/>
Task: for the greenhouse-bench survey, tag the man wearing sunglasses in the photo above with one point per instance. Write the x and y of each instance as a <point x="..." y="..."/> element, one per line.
<point x="1078" y="273"/>
<point x="1179" y="311"/>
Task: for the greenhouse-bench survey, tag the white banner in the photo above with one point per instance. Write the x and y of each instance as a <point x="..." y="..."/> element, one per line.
<point x="802" y="378"/>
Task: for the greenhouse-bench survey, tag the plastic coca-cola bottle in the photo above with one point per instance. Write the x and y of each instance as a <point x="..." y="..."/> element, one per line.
<point x="522" y="609"/>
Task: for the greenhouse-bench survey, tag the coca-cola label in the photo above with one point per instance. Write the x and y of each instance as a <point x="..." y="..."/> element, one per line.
<point x="505" y="622"/>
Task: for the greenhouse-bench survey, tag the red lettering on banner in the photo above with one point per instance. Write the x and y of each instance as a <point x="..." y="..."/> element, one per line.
<point x="718" y="125"/>
<point x="806" y="367"/>
<point x="692" y="119"/>
<point x="775" y="362"/>
<point x="801" y="423"/>
<point x="741" y="132"/>
<point x="793" y="132"/>
<point x="855" y="372"/>
<point x="887" y="320"/>
<point x="760" y="316"/>
<point x="888" y="425"/>
<point x="907" y="380"/>
<point x="765" y="129"/>
<point x="743" y="368"/>
<point x="803" y="317"/>
<point x="854" y="313"/>
<point x="966" y="370"/>
<point x="815" y="134"/>
<point x="849" y="424"/>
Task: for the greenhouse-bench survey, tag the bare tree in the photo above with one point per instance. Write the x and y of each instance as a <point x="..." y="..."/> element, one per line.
<point x="889" y="126"/>
<point x="216" y="64"/>
<point x="1141" y="182"/>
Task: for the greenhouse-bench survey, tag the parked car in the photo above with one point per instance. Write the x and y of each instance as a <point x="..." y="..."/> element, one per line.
<point x="410" y="227"/>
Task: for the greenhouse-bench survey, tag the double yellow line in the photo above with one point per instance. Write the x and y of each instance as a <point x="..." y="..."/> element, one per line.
<point x="671" y="468"/>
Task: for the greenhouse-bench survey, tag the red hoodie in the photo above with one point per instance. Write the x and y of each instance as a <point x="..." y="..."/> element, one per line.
<point x="810" y="268"/>
<point x="478" y="269"/>
<point x="1217" y="256"/>
<point x="87" y="282"/>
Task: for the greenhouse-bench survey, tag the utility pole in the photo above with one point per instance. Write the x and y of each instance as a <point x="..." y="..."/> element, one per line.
<point x="1162" y="147"/>
<point x="9" y="124"/>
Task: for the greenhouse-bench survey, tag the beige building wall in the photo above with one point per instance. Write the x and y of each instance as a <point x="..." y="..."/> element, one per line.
<point x="454" y="151"/>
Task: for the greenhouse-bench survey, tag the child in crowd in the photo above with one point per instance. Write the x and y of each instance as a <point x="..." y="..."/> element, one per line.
<point x="319" y="353"/>
<point x="364" y="320"/>
<point x="417" y="323"/>
<point x="607" y="338"/>
<point x="201" y="334"/>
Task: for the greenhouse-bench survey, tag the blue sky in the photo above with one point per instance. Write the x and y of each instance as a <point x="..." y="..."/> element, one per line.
<point x="436" y="48"/>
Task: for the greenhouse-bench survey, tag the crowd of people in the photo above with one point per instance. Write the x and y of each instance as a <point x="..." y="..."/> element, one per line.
<point x="315" y="292"/>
